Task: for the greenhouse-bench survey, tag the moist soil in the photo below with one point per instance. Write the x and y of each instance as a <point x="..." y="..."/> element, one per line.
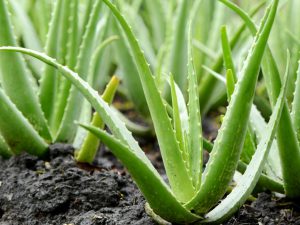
<point x="55" y="190"/>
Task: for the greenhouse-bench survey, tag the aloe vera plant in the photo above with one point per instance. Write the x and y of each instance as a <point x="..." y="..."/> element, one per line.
<point x="36" y="112"/>
<point x="191" y="193"/>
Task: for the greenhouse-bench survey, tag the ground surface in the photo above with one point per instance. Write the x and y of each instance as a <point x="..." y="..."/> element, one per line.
<point x="58" y="191"/>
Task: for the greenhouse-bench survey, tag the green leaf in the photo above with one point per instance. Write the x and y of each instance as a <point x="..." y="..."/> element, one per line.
<point x="178" y="57"/>
<point x="17" y="132"/>
<point x="228" y="60"/>
<point x="231" y="78"/>
<point x="178" y="176"/>
<point x="296" y="105"/>
<point x="230" y="82"/>
<point x="157" y="19"/>
<point x="177" y="122"/>
<point x="130" y="76"/>
<point x="194" y="136"/>
<point x="48" y="82"/>
<point x="12" y="69"/>
<point x="228" y="145"/>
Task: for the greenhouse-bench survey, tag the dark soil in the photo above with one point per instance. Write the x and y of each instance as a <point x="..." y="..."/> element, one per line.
<point x="58" y="191"/>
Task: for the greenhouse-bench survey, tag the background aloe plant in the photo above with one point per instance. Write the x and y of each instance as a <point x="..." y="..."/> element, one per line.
<point x="36" y="112"/>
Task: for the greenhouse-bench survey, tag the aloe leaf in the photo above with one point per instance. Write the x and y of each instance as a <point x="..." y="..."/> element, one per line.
<point x="141" y="31"/>
<point x="41" y="20"/>
<point x="195" y="129"/>
<point x="163" y="56"/>
<point x="177" y="122"/>
<point x="296" y="105"/>
<point x="67" y="129"/>
<point x="288" y="145"/>
<point x="229" y="142"/>
<point x="48" y="85"/>
<point x="5" y="151"/>
<point x="178" y="57"/>
<point x="204" y="49"/>
<point x="29" y="35"/>
<point x="129" y="73"/>
<point x="231" y="78"/>
<point x="202" y="26"/>
<point x="166" y="204"/>
<point x="180" y="181"/>
<point x="228" y="60"/>
<point x="182" y="108"/>
<point x="87" y="13"/>
<point x="230" y="82"/>
<point x="273" y="165"/>
<point x="72" y="50"/>
<point x="12" y="69"/>
<point x="17" y="132"/>
<point x="90" y="145"/>
<point x="249" y="179"/>
<point x="157" y="19"/>
<point x="292" y="18"/>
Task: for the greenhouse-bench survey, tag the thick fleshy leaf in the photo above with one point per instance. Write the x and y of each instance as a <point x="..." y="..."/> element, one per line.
<point x="48" y="82"/>
<point x="177" y="122"/>
<point x="194" y="136"/>
<point x="129" y="73"/>
<point x="17" y="132"/>
<point x="296" y="105"/>
<point x="178" y="57"/>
